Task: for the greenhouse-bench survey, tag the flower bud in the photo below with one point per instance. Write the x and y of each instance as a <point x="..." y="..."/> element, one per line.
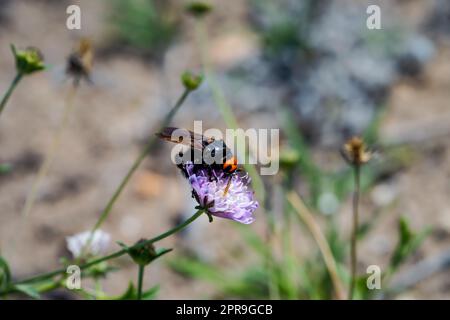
<point x="28" y="61"/>
<point x="191" y="81"/>
<point x="142" y="254"/>
<point x="99" y="270"/>
<point x="289" y="158"/>
<point x="198" y="9"/>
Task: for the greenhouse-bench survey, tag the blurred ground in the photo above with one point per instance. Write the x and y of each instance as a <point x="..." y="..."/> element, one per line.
<point x="114" y="116"/>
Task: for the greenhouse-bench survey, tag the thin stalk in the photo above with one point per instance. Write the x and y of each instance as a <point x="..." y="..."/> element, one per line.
<point x="43" y="170"/>
<point x="274" y="292"/>
<point x="111" y="256"/>
<point x="354" y="237"/>
<point x="306" y="216"/>
<point x="289" y="267"/>
<point x="98" y="287"/>
<point x="138" y="161"/>
<point x="222" y="104"/>
<point x="10" y="90"/>
<point x="140" y="280"/>
<point x="231" y="122"/>
<point x="151" y="142"/>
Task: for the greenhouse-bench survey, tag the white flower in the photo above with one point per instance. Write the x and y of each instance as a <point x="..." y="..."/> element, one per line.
<point x="98" y="244"/>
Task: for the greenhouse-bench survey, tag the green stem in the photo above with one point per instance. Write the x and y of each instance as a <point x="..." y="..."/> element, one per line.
<point x="354" y="238"/>
<point x="106" y="211"/>
<point x="140" y="280"/>
<point x="137" y="162"/>
<point x="114" y="255"/>
<point x="56" y="140"/>
<point x="307" y="217"/>
<point x="224" y="107"/>
<point x="274" y="291"/>
<point x="11" y="88"/>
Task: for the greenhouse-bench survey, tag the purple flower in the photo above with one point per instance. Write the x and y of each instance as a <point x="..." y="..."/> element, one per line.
<point x="208" y="188"/>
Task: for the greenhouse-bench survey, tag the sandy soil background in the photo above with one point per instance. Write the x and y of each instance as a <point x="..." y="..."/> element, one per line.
<point x="113" y="117"/>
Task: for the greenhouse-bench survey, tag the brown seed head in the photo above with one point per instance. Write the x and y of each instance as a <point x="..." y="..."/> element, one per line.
<point x="354" y="151"/>
<point x="79" y="63"/>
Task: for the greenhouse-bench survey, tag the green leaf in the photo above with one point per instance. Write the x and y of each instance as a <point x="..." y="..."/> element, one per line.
<point x="306" y="164"/>
<point x="254" y="240"/>
<point x="5" y="168"/>
<point x="99" y="270"/>
<point x="362" y="292"/>
<point x="28" y="290"/>
<point x="250" y="284"/>
<point x="5" y="274"/>
<point x="146" y="25"/>
<point x="371" y="133"/>
<point x="196" y="268"/>
<point x="407" y="244"/>
<point x="151" y="293"/>
<point x="129" y="294"/>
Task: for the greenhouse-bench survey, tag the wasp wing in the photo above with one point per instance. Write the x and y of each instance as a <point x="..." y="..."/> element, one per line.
<point x="183" y="136"/>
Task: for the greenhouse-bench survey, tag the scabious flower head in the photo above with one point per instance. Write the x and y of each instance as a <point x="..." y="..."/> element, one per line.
<point x="28" y="61"/>
<point x="78" y="244"/>
<point x="208" y="189"/>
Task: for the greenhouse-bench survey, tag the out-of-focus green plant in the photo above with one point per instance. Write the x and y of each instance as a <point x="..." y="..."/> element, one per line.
<point x="192" y="85"/>
<point x="407" y="244"/>
<point x="222" y="104"/>
<point x="198" y="9"/>
<point x="97" y="267"/>
<point x="132" y="294"/>
<point x="143" y="256"/>
<point x="314" y="278"/>
<point x="284" y="28"/>
<point x="5" y="274"/>
<point x="55" y="279"/>
<point x="148" y="26"/>
<point x="5" y="168"/>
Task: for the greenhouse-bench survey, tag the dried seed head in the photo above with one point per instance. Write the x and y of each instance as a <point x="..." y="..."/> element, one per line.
<point x="79" y="63"/>
<point x="354" y="151"/>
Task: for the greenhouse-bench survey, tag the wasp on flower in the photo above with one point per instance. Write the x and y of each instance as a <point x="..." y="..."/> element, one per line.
<point x="218" y="185"/>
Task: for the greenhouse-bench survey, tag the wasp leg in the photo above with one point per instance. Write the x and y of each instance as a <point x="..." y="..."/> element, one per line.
<point x="228" y="186"/>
